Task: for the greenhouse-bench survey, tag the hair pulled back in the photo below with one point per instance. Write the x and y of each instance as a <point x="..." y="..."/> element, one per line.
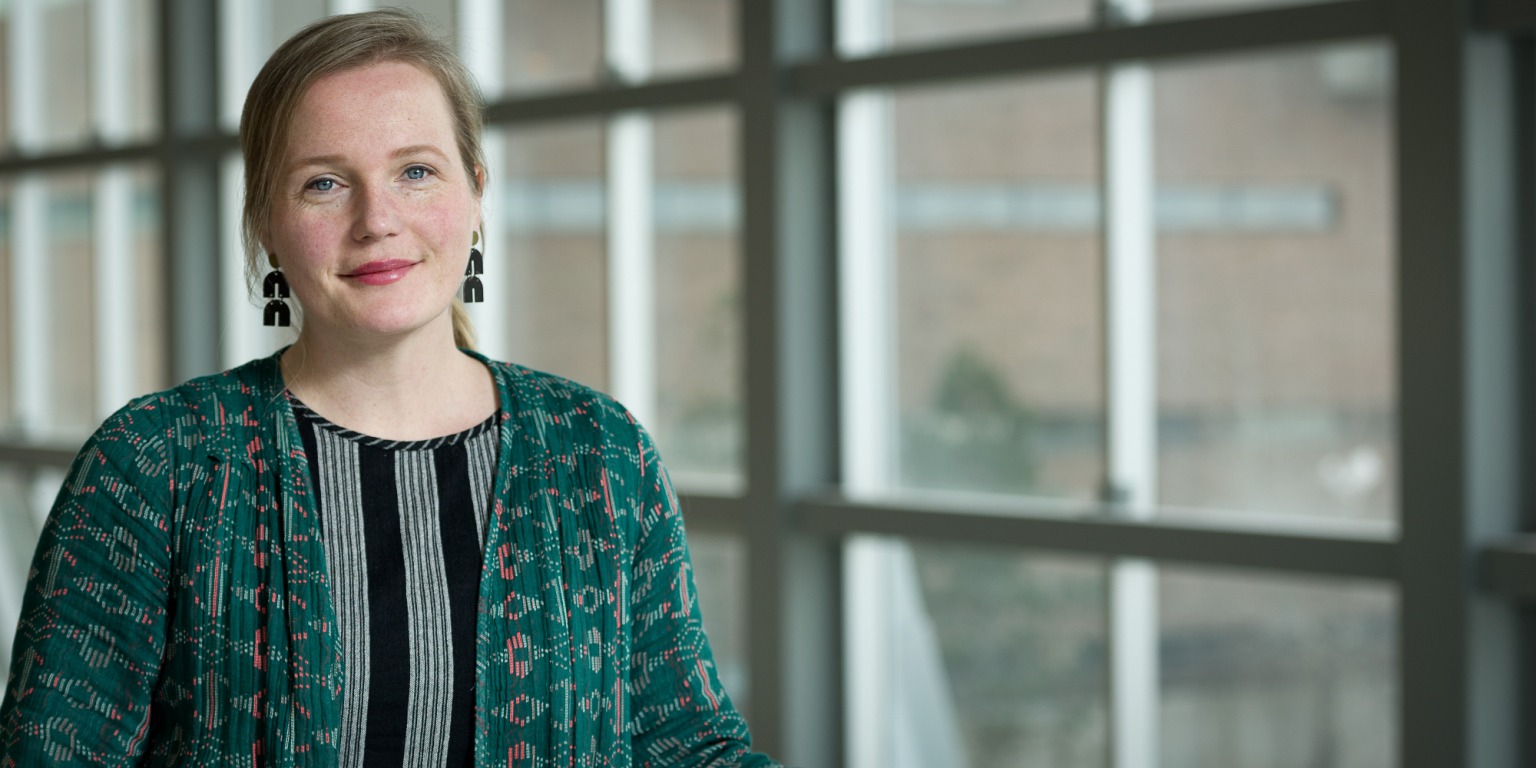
<point x="337" y="44"/>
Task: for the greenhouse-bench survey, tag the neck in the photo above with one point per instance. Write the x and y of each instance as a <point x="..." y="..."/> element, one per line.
<point x="410" y="386"/>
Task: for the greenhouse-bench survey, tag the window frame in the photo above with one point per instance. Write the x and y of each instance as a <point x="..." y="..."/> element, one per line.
<point x="1456" y="558"/>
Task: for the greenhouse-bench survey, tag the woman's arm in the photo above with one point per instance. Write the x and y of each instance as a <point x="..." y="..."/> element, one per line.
<point x="682" y="715"/>
<point x="93" y="621"/>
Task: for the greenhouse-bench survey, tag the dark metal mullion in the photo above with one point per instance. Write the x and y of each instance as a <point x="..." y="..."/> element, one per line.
<point x="704" y="512"/>
<point x="1458" y="477"/>
<point x="1143" y="42"/>
<point x="189" y="89"/>
<point x="1433" y="612"/>
<point x="1370" y="557"/>
<point x="1508" y="568"/>
<point x="1524" y="53"/>
<point x="664" y="94"/>
<point x="37" y="455"/>
<point x="794" y="657"/>
<point x="1508" y="14"/>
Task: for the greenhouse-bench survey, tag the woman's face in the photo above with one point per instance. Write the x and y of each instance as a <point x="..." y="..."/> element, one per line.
<point x="373" y="211"/>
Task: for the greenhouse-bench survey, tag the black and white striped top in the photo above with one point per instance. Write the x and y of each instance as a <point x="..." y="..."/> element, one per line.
<point x="403" y="525"/>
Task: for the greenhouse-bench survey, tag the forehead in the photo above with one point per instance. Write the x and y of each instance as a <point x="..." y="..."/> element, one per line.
<point x="376" y="108"/>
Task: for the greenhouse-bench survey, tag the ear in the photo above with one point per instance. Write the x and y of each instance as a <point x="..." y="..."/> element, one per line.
<point x="479" y="198"/>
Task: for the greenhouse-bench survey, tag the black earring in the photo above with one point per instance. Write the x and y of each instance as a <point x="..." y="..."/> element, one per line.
<point x="275" y="287"/>
<point x="474" y="290"/>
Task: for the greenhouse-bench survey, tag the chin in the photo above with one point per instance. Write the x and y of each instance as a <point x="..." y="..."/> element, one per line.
<point x="395" y="320"/>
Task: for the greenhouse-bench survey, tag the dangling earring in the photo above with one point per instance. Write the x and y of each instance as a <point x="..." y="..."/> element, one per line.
<point x="275" y="287"/>
<point x="474" y="290"/>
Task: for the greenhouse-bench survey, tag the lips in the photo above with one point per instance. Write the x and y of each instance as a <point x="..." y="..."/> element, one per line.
<point x="381" y="272"/>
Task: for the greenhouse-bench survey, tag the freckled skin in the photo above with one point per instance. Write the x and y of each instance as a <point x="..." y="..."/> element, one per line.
<point x="373" y="172"/>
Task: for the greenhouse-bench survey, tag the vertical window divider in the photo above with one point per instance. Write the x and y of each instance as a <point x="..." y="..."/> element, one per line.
<point x="891" y="661"/>
<point x="243" y="38"/>
<point x="865" y="321"/>
<point x="482" y="47"/>
<point x="30" y="308"/>
<point x="112" y="241"/>
<point x="866" y="317"/>
<point x="866" y="397"/>
<point x="1128" y="191"/>
<point x="631" y="223"/>
<point x="30" y="303"/>
<point x="242" y="336"/>
<point x="242" y="33"/>
<point x="338" y="7"/>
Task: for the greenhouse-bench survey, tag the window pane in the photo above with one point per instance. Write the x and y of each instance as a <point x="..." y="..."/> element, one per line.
<point x="698" y="299"/>
<point x="553" y="275"/>
<point x="19" y="529"/>
<point x="66" y="72"/>
<point x="7" y="99"/>
<point x="1275" y="283"/>
<point x="553" y="43"/>
<point x="720" y="576"/>
<point x="997" y="298"/>
<point x="287" y="17"/>
<point x="8" y="424"/>
<point x="971" y="656"/>
<point x="71" y="317"/>
<point x="692" y="35"/>
<point x="438" y="13"/>
<point x="151" y="298"/>
<point x="1268" y="672"/>
<point x="144" y="66"/>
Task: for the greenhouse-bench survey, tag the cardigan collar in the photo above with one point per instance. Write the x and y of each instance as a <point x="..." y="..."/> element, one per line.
<point x="230" y="434"/>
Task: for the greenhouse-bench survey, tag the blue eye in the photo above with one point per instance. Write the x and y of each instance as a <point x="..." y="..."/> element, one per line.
<point x="416" y="173"/>
<point x="323" y="185"/>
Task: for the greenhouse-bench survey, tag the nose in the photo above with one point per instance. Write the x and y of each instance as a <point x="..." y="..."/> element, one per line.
<point x="376" y="214"/>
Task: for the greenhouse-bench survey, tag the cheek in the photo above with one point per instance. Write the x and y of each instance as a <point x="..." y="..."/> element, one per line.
<point x="448" y="227"/>
<point x="304" y="246"/>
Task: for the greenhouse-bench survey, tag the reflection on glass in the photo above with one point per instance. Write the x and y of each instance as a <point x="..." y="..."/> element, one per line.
<point x="692" y="35"/>
<point x="1275" y="283"/>
<point x="966" y="656"/>
<point x="933" y="22"/>
<point x="1264" y="672"/>
<point x="553" y="43"/>
<point x="553" y="272"/>
<point x="997" y="303"/>
<point x="720" y="576"/>
<point x="698" y="299"/>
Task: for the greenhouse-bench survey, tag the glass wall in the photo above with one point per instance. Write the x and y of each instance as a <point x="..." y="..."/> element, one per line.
<point x="1111" y="448"/>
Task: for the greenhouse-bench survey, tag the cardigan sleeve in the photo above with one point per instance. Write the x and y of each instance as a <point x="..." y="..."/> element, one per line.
<point x="89" y="643"/>
<point x="682" y="715"/>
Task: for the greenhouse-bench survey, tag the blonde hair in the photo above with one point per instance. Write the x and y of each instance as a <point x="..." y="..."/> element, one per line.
<point x="328" y="46"/>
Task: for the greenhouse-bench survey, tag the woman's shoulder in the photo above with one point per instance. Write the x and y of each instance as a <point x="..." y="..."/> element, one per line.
<point x="187" y="414"/>
<point x="546" y="401"/>
<point x="552" y="394"/>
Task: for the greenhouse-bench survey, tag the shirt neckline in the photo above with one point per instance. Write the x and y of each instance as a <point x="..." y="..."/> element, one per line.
<point x="304" y="412"/>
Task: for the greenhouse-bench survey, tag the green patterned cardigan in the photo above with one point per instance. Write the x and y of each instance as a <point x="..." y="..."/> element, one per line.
<point x="177" y="611"/>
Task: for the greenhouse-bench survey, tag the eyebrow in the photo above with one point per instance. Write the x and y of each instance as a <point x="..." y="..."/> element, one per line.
<point x="414" y="149"/>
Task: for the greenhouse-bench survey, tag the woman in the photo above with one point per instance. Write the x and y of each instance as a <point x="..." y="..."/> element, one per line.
<point x="460" y="562"/>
